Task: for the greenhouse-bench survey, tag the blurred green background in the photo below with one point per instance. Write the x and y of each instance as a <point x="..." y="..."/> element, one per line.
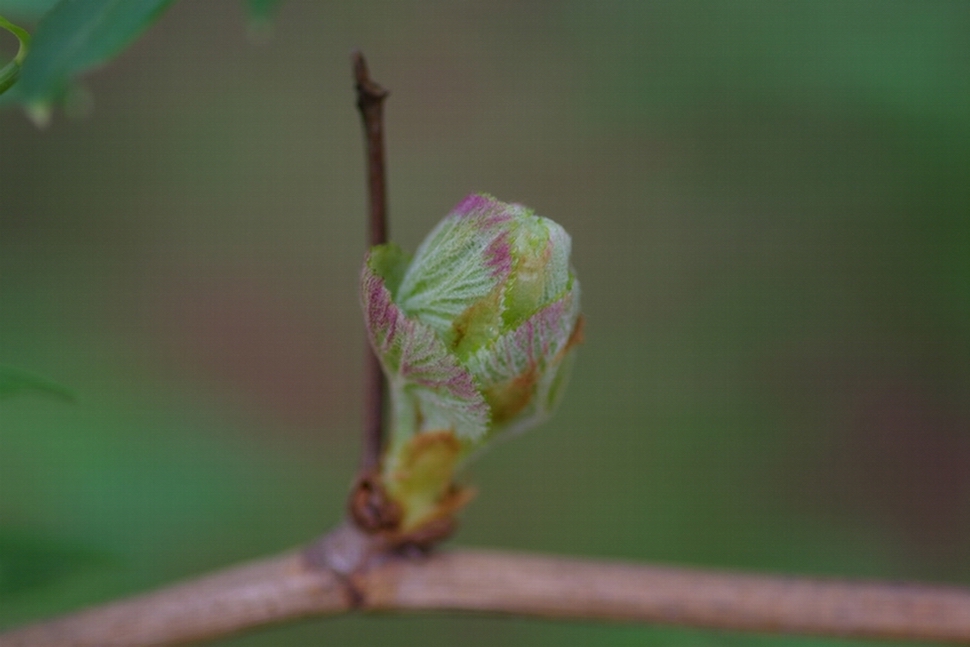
<point x="770" y="210"/>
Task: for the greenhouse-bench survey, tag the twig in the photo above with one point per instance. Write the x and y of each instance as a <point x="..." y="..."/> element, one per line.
<point x="254" y="594"/>
<point x="285" y="588"/>
<point x="370" y="102"/>
<point x="535" y="585"/>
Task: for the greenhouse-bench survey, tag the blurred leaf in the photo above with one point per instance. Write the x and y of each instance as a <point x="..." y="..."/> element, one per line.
<point x="261" y="14"/>
<point x="14" y="381"/>
<point x="76" y="36"/>
<point x="28" y="561"/>
<point x="27" y="10"/>
<point x="262" y="10"/>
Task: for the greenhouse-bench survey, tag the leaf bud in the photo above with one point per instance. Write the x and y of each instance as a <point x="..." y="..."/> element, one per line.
<point x="475" y="334"/>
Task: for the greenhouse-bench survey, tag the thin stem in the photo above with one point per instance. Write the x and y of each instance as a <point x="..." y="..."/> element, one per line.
<point x="22" y="36"/>
<point x="286" y="587"/>
<point x="370" y="103"/>
<point x="10" y="72"/>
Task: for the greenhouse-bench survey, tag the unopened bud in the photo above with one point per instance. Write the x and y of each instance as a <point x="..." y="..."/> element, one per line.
<point x="474" y="334"/>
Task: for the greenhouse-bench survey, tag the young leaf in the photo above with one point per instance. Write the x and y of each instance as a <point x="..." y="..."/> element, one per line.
<point x="475" y="334"/>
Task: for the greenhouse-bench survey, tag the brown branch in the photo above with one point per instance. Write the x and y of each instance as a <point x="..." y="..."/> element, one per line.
<point x="254" y="594"/>
<point x="370" y="103"/>
<point x="285" y="587"/>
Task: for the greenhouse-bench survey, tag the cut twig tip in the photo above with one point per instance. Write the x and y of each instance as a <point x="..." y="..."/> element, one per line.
<point x="367" y="88"/>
